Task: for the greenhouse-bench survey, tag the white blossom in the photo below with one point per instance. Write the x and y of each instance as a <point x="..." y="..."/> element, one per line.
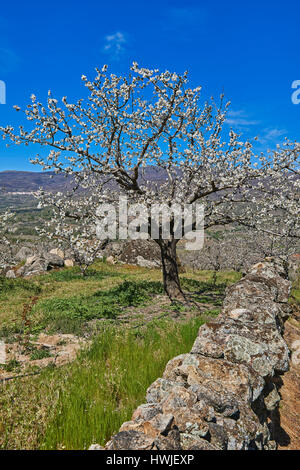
<point x="152" y="118"/>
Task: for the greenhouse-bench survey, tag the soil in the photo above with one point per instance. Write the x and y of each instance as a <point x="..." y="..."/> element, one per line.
<point x="57" y="349"/>
<point x="289" y="411"/>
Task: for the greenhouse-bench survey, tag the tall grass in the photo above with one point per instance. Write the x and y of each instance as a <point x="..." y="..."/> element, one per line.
<point x="87" y="400"/>
<point x="109" y="380"/>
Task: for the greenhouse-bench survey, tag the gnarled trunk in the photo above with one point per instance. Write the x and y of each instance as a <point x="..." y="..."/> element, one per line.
<point x="170" y="269"/>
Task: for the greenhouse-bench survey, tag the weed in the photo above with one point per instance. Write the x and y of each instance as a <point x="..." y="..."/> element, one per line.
<point x="12" y="366"/>
<point x="40" y="354"/>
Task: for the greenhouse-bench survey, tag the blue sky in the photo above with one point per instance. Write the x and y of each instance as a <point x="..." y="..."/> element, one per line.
<point x="248" y="50"/>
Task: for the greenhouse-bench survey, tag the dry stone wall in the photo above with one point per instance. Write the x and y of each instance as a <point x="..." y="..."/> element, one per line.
<point x="224" y="393"/>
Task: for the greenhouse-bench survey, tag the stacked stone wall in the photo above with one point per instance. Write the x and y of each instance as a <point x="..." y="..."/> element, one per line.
<point x="224" y="393"/>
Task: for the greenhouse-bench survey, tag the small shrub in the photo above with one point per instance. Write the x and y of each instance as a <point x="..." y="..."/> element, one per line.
<point x="12" y="366"/>
<point x="40" y="354"/>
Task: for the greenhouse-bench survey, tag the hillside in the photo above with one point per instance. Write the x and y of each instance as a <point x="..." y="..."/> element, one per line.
<point x="29" y="181"/>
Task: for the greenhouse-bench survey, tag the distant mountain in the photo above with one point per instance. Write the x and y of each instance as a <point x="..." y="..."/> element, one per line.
<point x="29" y="181"/>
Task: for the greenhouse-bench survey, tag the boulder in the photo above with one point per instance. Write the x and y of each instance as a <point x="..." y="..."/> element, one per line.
<point x="128" y="440"/>
<point x="37" y="267"/>
<point x="294" y="266"/>
<point x="96" y="447"/>
<point x="57" y="252"/>
<point x="30" y="260"/>
<point x="10" y="274"/>
<point x="144" y="263"/>
<point x="69" y="263"/>
<point x="141" y="252"/>
<point x="20" y="271"/>
<point x="53" y="261"/>
<point x="23" y="253"/>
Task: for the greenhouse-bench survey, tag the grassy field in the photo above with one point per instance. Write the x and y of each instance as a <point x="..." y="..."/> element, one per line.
<point x="86" y="401"/>
<point x="138" y="331"/>
<point x="66" y="302"/>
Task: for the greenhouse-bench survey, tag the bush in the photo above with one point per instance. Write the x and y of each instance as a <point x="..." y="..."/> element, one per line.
<point x="12" y="366"/>
<point x="39" y="354"/>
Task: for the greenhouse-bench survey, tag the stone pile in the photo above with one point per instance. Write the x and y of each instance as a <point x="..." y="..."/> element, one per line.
<point x="38" y="263"/>
<point x="224" y="393"/>
<point x="144" y="253"/>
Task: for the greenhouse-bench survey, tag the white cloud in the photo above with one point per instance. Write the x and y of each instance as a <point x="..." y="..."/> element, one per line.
<point x="239" y="119"/>
<point x="266" y="137"/>
<point x="114" y="44"/>
<point x="240" y="122"/>
<point x="274" y="133"/>
<point x="270" y="136"/>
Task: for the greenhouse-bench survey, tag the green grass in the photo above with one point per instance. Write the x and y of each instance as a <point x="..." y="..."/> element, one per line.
<point x="71" y="274"/>
<point x="86" y="401"/>
<point x="68" y="315"/>
<point x="296" y="291"/>
<point x="66" y="288"/>
<point x="67" y="301"/>
<point x="296" y="294"/>
<point x="110" y="380"/>
<point x="9" y="287"/>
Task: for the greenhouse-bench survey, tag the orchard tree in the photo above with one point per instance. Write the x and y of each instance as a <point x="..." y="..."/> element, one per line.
<point x="280" y="245"/>
<point x="229" y="250"/>
<point x="72" y="224"/>
<point x="147" y="117"/>
<point x="6" y="252"/>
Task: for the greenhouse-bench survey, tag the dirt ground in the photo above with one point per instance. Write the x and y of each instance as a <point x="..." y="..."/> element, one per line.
<point x="289" y="411"/>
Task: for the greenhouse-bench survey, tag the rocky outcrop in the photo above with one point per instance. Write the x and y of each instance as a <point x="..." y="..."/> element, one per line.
<point x="144" y="253"/>
<point x="223" y="394"/>
<point x="41" y="263"/>
<point x="23" y="253"/>
<point x="42" y="351"/>
<point x="38" y="261"/>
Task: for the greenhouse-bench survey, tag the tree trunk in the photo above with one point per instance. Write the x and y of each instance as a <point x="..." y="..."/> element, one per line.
<point x="170" y="269"/>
